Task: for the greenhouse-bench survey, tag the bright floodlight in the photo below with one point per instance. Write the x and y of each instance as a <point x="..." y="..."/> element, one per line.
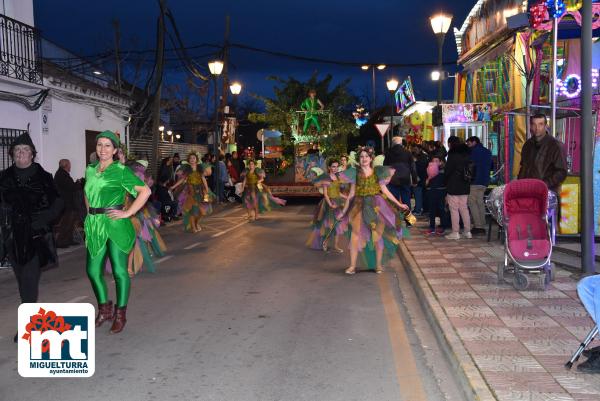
<point x="435" y="75"/>
<point x="392" y="84"/>
<point x="364" y="67"/>
<point x="440" y="23"/>
<point x="235" y="88"/>
<point x="381" y="67"/>
<point x="215" y="67"/>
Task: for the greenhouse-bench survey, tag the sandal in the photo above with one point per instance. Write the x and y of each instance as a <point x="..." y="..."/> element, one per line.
<point x="338" y="250"/>
<point x="350" y="270"/>
<point x="379" y="270"/>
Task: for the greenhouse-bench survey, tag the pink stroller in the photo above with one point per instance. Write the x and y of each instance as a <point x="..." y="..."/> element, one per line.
<point x="528" y="244"/>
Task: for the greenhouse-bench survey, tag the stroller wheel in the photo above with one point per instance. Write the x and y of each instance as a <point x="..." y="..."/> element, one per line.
<point x="231" y="199"/>
<point x="500" y="272"/>
<point x="544" y="279"/>
<point x="552" y="272"/>
<point x="521" y="282"/>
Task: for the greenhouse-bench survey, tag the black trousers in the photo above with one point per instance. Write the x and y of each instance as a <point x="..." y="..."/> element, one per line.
<point x="28" y="279"/>
<point x="437" y="208"/>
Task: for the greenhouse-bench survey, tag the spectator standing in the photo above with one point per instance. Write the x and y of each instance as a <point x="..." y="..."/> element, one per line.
<point x="223" y="177"/>
<point x="166" y="172"/>
<point x="435" y="185"/>
<point x="458" y="187"/>
<point x="401" y="160"/>
<point x="176" y="161"/>
<point x="543" y="156"/>
<point x="67" y="189"/>
<point x="421" y="161"/>
<point x="482" y="161"/>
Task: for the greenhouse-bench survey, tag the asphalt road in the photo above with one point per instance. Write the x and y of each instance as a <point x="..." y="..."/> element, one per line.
<point x="243" y="311"/>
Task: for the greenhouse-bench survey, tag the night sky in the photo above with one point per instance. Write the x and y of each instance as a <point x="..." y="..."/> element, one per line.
<point x="376" y="31"/>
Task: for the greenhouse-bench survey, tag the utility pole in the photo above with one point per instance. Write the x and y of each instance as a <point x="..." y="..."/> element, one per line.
<point x="588" y="259"/>
<point x="160" y="53"/>
<point x="225" y="90"/>
<point x="117" y="29"/>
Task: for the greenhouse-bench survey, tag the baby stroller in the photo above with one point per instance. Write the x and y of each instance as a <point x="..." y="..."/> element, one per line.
<point x="528" y="241"/>
<point x="230" y="192"/>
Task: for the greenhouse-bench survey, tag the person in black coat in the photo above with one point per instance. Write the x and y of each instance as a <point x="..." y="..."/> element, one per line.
<point x="458" y="187"/>
<point x="30" y="203"/>
<point x="405" y="174"/>
<point x="67" y="189"/>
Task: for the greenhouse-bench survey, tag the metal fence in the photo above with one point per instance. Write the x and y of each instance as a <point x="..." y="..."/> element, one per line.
<point x="20" y="51"/>
<point x="7" y="136"/>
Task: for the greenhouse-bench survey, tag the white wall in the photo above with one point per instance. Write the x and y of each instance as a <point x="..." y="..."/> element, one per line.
<point x="21" y="10"/>
<point x="67" y="124"/>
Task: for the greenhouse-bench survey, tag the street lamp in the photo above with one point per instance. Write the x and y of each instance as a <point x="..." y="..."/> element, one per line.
<point x="440" y="24"/>
<point x="435" y="75"/>
<point x="366" y="67"/>
<point x="216" y="67"/>
<point x="392" y="86"/>
<point x="235" y="88"/>
<point x="170" y="134"/>
<point x="162" y="132"/>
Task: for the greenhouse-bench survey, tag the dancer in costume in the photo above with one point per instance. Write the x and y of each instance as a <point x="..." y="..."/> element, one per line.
<point x="148" y="241"/>
<point x="256" y="196"/>
<point x="311" y="105"/>
<point x="374" y="226"/>
<point x="196" y="199"/>
<point x="326" y="224"/>
<point x="108" y="229"/>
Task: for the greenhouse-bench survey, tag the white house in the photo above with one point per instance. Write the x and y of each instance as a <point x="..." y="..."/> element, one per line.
<point x="62" y="106"/>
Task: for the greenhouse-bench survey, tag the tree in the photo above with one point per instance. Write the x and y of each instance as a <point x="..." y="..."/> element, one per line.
<point x="290" y="93"/>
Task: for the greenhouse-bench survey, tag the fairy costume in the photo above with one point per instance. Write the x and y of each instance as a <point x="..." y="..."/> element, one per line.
<point x="258" y="195"/>
<point x="106" y="190"/>
<point x="373" y="222"/>
<point x="325" y="217"/>
<point x="195" y="200"/>
<point x="148" y="241"/>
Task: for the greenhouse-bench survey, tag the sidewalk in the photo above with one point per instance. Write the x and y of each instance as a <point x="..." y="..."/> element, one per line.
<point x="505" y="344"/>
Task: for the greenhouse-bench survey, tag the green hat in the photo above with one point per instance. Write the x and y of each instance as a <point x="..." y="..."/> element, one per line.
<point x="110" y="135"/>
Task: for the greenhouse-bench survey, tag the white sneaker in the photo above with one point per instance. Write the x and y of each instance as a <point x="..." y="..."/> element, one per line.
<point x="453" y="236"/>
<point x="468" y="235"/>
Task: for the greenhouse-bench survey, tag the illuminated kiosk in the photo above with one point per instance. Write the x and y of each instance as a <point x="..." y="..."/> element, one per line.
<point x="465" y="120"/>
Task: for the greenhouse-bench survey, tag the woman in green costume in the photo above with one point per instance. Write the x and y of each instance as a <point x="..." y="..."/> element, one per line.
<point x="108" y="229"/>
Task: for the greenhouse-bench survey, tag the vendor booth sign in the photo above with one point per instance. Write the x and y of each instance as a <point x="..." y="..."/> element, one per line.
<point x="466" y="112"/>
<point x="405" y="96"/>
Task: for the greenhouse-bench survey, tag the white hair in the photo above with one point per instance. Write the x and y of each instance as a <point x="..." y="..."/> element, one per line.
<point x="397" y="140"/>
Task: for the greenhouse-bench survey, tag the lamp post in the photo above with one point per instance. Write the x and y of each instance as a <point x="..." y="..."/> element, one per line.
<point x="236" y="89"/>
<point x="366" y="67"/>
<point x="216" y="67"/>
<point x="162" y="132"/>
<point x="440" y="24"/>
<point x="170" y="134"/>
<point x="392" y="86"/>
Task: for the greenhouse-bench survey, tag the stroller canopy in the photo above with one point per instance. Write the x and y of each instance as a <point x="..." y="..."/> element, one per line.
<point x="528" y="196"/>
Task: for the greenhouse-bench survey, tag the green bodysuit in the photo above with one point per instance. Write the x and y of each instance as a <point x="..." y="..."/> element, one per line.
<point x="105" y="236"/>
<point x="311" y="117"/>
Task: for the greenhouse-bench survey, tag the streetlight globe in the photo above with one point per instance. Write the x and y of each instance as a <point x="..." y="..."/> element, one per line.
<point x="177" y="136"/>
<point x="364" y="67"/>
<point x="440" y="23"/>
<point x="215" y="67"/>
<point x="435" y="75"/>
<point x="235" y="88"/>
<point x="169" y="133"/>
<point x="392" y="84"/>
<point x="161" y="128"/>
<point x="381" y="67"/>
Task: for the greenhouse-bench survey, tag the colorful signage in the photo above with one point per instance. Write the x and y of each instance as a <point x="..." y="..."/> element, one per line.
<point x="466" y="112"/>
<point x="405" y="96"/>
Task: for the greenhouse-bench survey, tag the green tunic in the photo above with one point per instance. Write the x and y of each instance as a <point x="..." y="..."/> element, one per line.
<point x="105" y="189"/>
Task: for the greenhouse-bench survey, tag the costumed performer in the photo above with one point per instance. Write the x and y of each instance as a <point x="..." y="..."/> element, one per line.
<point x="311" y="105"/>
<point x="108" y="229"/>
<point x="374" y="226"/>
<point x="30" y="203"/>
<point x="256" y="196"/>
<point x="325" y="223"/>
<point x="146" y="221"/>
<point x="196" y="198"/>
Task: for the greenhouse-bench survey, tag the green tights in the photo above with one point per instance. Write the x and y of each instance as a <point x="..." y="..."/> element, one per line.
<point x="95" y="267"/>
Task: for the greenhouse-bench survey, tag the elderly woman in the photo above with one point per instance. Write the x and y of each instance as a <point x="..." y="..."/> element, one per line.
<point x="30" y="203"/>
<point x="108" y="228"/>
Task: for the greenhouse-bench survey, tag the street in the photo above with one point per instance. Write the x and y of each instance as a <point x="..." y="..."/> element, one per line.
<point x="243" y="311"/>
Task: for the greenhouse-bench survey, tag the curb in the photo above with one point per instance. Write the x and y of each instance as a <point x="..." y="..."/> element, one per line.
<point x="472" y="382"/>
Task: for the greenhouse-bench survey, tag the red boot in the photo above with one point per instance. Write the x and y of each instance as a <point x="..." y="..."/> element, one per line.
<point x="120" y="320"/>
<point x="105" y="313"/>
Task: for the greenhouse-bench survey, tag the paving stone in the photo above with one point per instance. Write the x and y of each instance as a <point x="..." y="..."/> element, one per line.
<point x="564" y="311"/>
<point x="509" y="395"/>
<point x="473" y="321"/>
<point x="577" y="383"/>
<point x="506" y="347"/>
<point x="485" y="334"/>
<point x="542" y="346"/>
<point x="508" y="363"/>
<point x="531" y="382"/>
<point x="470" y="311"/>
<point x="508" y="302"/>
